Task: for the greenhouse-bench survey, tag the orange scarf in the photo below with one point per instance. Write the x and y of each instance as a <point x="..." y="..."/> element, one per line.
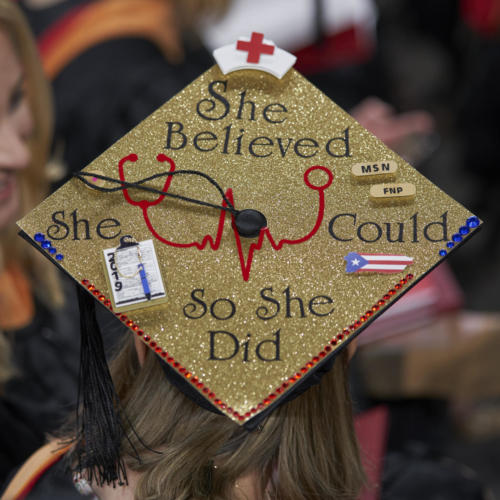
<point x="17" y="307"/>
<point x="105" y="20"/>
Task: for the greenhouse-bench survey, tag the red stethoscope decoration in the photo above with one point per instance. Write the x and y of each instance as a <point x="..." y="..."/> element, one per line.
<point x="208" y="239"/>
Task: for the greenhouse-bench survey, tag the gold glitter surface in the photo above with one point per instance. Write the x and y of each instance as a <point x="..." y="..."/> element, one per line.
<point x="256" y="136"/>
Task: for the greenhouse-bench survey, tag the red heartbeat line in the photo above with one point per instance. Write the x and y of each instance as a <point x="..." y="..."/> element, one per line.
<point x="245" y="264"/>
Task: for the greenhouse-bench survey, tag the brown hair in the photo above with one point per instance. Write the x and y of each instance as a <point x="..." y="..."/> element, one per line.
<point x="5" y="361"/>
<point x="34" y="183"/>
<point x="306" y="449"/>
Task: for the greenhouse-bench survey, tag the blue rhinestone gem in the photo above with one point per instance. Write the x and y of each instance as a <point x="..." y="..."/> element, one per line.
<point x="39" y="237"/>
<point x="52" y="250"/>
<point x="456" y="238"/>
<point x="46" y="244"/>
<point x="473" y="221"/>
<point x="443" y="253"/>
<point x="59" y="256"/>
<point x="450" y="244"/>
<point x="463" y="230"/>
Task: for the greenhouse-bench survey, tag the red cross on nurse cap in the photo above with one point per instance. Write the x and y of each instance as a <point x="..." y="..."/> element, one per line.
<point x="247" y="231"/>
<point x="254" y="53"/>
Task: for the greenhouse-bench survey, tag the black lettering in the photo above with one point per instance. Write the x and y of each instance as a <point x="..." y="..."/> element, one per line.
<point x="245" y="347"/>
<point x="269" y="109"/>
<point x="414" y="218"/>
<point x="320" y="300"/>
<point x="59" y="225"/>
<point x="332" y="223"/>
<point x="283" y="151"/>
<point x="205" y="137"/>
<point x="289" y="299"/>
<point x="306" y="143"/>
<point x="113" y="223"/>
<point x="378" y="230"/>
<point x="226" y="139"/>
<point x="275" y="343"/>
<point x="238" y="142"/>
<point x="171" y="132"/>
<point x="442" y="227"/>
<point x="243" y="103"/>
<point x="229" y="313"/>
<point x="345" y="145"/>
<point x="266" y="141"/>
<point x="263" y="312"/>
<point x="191" y="308"/>
<point x="400" y="232"/>
<point x="76" y="222"/>
<point x="211" y="104"/>
<point x="366" y="169"/>
<point x="229" y="337"/>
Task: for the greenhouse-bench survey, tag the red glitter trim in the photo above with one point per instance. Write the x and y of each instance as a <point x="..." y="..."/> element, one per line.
<point x="346" y="332"/>
<point x="343" y="335"/>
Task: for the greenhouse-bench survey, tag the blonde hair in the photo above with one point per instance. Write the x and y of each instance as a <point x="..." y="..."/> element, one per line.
<point x="34" y="183"/>
<point x="306" y="449"/>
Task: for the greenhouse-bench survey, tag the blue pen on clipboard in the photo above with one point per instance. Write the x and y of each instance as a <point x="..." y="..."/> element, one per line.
<point x="144" y="281"/>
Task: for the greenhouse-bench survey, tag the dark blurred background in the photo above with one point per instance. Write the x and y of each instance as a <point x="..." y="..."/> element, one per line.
<point x="430" y="66"/>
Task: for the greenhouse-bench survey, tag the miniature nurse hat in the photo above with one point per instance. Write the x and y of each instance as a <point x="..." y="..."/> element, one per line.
<point x="246" y="232"/>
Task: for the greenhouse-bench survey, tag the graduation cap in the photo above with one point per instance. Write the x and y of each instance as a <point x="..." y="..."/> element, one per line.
<point x="247" y="231"/>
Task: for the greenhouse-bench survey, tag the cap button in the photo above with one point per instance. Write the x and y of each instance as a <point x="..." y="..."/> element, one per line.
<point x="249" y="222"/>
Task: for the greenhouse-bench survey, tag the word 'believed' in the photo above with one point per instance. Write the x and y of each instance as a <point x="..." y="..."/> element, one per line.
<point x="226" y="140"/>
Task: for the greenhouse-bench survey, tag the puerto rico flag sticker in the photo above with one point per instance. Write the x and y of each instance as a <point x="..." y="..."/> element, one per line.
<point x="376" y="262"/>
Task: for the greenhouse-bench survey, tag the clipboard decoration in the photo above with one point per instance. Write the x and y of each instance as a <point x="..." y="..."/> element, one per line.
<point x="133" y="274"/>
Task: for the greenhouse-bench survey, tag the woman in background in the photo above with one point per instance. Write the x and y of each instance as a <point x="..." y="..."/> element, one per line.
<point x="173" y="449"/>
<point x="112" y="63"/>
<point x="38" y="344"/>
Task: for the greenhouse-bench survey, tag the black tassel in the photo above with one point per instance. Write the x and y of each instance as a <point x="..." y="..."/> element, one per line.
<point x="99" y="426"/>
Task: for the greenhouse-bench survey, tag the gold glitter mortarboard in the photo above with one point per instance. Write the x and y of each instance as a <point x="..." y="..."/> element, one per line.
<point x="311" y="228"/>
